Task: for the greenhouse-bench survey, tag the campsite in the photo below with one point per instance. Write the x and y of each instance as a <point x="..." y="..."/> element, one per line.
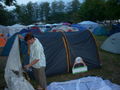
<point x="60" y="45"/>
<point x="110" y="68"/>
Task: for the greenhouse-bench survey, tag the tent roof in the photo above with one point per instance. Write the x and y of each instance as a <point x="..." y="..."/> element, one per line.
<point x="112" y="44"/>
<point x="100" y="30"/>
<point x="79" y="27"/>
<point x="89" y="25"/>
<point x="17" y="25"/>
<point x="64" y="28"/>
<point x="3" y="29"/>
<point x="87" y="22"/>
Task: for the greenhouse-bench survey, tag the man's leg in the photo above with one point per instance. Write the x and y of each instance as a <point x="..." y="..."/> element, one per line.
<point x="41" y="77"/>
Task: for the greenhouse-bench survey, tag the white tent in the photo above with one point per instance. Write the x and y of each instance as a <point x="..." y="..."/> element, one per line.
<point x="4" y="30"/>
<point x="64" y="28"/>
<point x="112" y="44"/>
<point x="15" y="28"/>
<point x="89" y="25"/>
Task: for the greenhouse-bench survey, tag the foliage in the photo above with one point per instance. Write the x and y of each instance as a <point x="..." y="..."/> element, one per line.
<point x="92" y="10"/>
<point x="112" y="9"/>
<point x="6" y="18"/>
<point x="58" y="11"/>
<point x="9" y="2"/>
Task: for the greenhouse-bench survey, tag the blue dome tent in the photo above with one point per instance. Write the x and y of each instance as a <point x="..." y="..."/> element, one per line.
<point x="79" y="27"/>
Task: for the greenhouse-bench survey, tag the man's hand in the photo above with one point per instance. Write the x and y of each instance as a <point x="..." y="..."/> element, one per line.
<point x="27" y="66"/>
<point x="32" y="63"/>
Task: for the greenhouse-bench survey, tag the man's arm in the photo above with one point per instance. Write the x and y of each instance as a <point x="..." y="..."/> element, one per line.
<point x="32" y="63"/>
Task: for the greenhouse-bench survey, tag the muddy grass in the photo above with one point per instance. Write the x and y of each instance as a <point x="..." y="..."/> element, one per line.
<point x="110" y="68"/>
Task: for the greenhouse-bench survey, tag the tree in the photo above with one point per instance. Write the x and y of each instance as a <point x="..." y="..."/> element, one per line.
<point x="61" y="6"/>
<point x="75" y="5"/>
<point x="46" y="10"/>
<point x="3" y="17"/>
<point x="54" y="7"/>
<point x="25" y="13"/>
<point x="41" y="12"/>
<point x="92" y="10"/>
<point x="9" y="2"/>
<point x="72" y="9"/>
<point x="112" y="10"/>
<point x="36" y="12"/>
<point x="6" y="17"/>
<point x="57" y="13"/>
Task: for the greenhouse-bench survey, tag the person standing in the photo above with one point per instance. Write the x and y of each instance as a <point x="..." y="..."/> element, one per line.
<point x="37" y="60"/>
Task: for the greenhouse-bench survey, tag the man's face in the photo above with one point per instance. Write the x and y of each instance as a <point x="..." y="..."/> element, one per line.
<point x="31" y="41"/>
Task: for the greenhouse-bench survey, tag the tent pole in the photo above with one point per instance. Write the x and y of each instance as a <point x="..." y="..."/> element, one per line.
<point x="67" y="50"/>
<point x="66" y="54"/>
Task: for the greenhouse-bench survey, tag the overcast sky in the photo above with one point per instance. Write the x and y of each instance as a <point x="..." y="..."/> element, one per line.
<point x="26" y="1"/>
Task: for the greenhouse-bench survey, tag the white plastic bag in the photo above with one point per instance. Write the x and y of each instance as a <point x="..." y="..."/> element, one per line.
<point x="13" y="71"/>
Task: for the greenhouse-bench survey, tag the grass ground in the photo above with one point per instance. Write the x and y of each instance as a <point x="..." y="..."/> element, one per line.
<point x="110" y="68"/>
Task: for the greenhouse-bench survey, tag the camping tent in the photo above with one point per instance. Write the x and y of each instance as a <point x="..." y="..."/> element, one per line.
<point x="112" y="44"/>
<point x="79" y="27"/>
<point x="115" y="29"/>
<point x="95" y="28"/>
<point x="4" y="30"/>
<point x="29" y="30"/>
<point x="2" y="42"/>
<point x="61" y="49"/>
<point x="89" y="25"/>
<point x="15" y="28"/>
<point x="64" y="28"/>
<point x="100" y="30"/>
<point x="66" y="23"/>
<point x="10" y="41"/>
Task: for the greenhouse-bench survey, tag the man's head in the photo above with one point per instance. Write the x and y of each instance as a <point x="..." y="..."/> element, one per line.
<point x="29" y="38"/>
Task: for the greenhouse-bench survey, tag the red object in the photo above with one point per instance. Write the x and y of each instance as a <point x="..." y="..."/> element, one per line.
<point x="34" y="27"/>
<point x="2" y="42"/>
<point x="69" y="30"/>
<point x="54" y="30"/>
